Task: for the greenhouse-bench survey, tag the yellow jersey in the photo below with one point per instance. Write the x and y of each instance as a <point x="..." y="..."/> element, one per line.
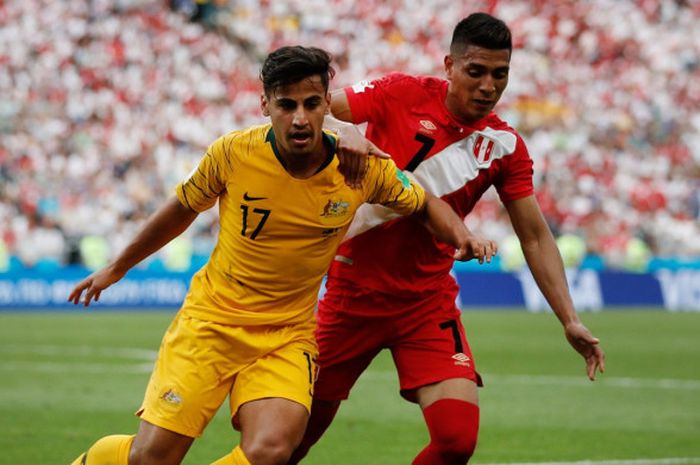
<point x="278" y="234"/>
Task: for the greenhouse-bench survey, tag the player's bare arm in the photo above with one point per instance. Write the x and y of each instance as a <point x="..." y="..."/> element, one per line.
<point x="444" y="224"/>
<point x="168" y="222"/>
<point x="353" y="148"/>
<point x="545" y="263"/>
<point x="340" y="107"/>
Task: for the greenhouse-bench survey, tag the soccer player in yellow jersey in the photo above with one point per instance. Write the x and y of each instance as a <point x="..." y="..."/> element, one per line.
<point x="245" y="329"/>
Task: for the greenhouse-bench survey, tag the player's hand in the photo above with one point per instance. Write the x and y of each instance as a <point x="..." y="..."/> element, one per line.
<point x="588" y="346"/>
<point x="478" y="248"/>
<point x="353" y="151"/>
<point x="94" y="285"/>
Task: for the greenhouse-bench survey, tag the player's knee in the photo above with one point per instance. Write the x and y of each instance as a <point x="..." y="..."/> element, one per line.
<point x="269" y="452"/>
<point x="453" y="426"/>
<point x="458" y="443"/>
<point x="458" y="451"/>
<point x="153" y="454"/>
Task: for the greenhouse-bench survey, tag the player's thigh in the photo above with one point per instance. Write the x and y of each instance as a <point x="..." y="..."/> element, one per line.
<point x="191" y="377"/>
<point x="432" y="350"/>
<point x="453" y="388"/>
<point x="272" y="424"/>
<point x="285" y="369"/>
<point x="346" y="345"/>
<point x="153" y="444"/>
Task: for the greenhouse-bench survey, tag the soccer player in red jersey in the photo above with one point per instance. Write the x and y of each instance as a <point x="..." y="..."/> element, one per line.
<point x="446" y="134"/>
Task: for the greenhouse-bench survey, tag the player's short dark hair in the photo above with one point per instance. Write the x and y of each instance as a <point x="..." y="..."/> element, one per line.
<point x="482" y="30"/>
<point x="291" y="64"/>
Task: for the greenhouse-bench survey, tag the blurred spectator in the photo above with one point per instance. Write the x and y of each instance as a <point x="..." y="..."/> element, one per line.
<point x="94" y="251"/>
<point x="202" y="11"/>
<point x="512" y="256"/>
<point x="42" y="244"/>
<point x="185" y="7"/>
<point x="4" y="256"/>
<point x="178" y="254"/>
<point x="134" y="90"/>
<point x="637" y="255"/>
<point x="572" y="249"/>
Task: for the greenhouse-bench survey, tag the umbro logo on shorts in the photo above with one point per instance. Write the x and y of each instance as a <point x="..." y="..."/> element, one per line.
<point x="461" y="359"/>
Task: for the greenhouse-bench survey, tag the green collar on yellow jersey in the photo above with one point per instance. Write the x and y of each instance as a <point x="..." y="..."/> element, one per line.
<point x="328" y="140"/>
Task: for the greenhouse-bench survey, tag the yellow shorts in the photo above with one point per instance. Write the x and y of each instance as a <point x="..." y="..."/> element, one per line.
<point x="201" y="362"/>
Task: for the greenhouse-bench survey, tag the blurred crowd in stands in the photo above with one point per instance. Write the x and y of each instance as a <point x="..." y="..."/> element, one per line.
<point x="106" y="105"/>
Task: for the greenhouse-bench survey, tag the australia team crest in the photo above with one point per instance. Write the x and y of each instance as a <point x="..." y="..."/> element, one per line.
<point x="335" y="209"/>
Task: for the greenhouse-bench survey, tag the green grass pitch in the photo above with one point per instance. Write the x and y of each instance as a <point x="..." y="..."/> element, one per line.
<point x="70" y="378"/>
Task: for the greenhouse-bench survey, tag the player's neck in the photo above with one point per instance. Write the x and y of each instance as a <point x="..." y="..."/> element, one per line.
<point x="305" y="166"/>
<point x="453" y="109"/>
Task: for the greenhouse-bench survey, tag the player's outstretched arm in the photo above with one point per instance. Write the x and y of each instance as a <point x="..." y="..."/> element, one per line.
<point x="545" y="263"/>
<point x="353" y="150"/>
<point x="353" y="147"/>
<point x="444" y="224"/>
<point x="168" y="222"/>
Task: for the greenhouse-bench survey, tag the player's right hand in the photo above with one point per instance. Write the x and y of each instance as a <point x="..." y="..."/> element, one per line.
<point x="477" y="248"/>
<point x="94" y="285"/>
<point x="588" y="346"/>
<point x="353" y="151"/>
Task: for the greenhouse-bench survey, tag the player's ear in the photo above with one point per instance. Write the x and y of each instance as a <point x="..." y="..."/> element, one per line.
<point x="264" y="105"/>
<point x="449" y="64"/>
<point x="328" y="103"/>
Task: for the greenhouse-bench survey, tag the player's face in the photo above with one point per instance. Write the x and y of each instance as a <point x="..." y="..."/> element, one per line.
<point x="478" y="76"/>
<point x="297" y="111"/>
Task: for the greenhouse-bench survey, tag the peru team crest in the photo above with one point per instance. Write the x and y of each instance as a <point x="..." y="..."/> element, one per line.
<point x="482" y="149"/>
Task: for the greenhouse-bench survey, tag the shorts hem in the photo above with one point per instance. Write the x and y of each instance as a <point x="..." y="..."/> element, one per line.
<point x="409" y="393"/>
<point x="170" y="426"/>
<point x="306" y="403"/>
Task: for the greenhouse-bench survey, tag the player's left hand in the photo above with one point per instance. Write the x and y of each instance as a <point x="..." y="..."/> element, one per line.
<point x="353" y="151"/>
<point x="588" y="346"/>
<point x="95" y="284"/>
<point x="478" y="248"/>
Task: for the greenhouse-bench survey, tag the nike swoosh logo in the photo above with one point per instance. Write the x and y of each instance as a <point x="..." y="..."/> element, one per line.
<point x="249" y="198"/>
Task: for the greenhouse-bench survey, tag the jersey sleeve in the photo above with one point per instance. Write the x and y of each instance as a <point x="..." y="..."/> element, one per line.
<point x="200" y="190"/>
<point x="516" y="181"/>
<point x="387" y="185"/>
<point x="369" y="99"/>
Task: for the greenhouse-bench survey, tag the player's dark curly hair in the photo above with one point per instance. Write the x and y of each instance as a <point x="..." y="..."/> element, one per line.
<point x="482" y="30"/>
<point x="290" y="64"/>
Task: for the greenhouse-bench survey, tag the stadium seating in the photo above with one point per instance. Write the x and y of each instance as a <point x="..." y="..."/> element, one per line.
<point x="104" y="106"/>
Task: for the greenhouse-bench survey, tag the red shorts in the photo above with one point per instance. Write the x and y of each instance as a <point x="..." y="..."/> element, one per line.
<point x="426" y="339"/>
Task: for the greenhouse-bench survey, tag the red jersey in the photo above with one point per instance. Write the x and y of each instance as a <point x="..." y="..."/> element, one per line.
<point x="407" y="118"/>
